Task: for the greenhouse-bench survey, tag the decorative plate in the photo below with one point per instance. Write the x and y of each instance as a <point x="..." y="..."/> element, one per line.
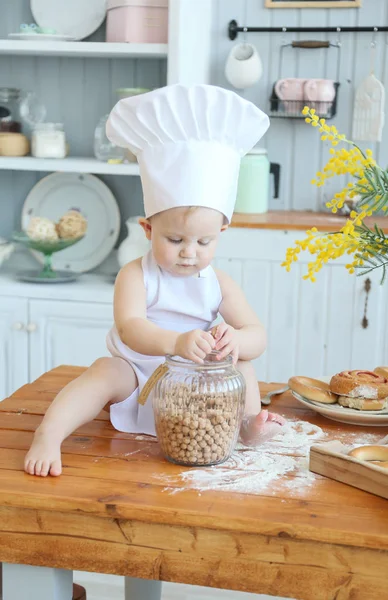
<point x="58" y="193"/>
<point x="77" y="18"/>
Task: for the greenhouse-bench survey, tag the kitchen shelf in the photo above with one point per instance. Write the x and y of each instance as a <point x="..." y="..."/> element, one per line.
<point x="78" y="49"/>
<point x="67" y="165"/>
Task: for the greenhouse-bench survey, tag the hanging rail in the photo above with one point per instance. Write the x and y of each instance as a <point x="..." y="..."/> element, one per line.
<point x="234" y="29"/>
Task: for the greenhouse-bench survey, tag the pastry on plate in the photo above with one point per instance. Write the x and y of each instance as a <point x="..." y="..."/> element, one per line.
<point x="362" y="390"/>
<point x="312" y="389"/>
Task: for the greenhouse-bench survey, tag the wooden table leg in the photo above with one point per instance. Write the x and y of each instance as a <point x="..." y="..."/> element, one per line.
<point x="36" y="583"/>
<point x="141" y="589"/>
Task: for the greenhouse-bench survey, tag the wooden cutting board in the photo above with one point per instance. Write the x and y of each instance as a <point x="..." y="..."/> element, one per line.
<point x="335" y="464"/>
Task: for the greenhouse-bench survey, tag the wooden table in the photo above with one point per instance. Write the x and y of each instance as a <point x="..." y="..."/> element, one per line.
<point x="110" y="512"/>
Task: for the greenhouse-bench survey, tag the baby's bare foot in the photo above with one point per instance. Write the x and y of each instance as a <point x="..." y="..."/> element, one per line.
<point x="44" y="456"/>
<point x="257" y="429"/>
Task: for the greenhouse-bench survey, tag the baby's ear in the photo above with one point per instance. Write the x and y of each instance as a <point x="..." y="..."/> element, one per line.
<point x="224" y="227"/>
<point x="146" y="226"/>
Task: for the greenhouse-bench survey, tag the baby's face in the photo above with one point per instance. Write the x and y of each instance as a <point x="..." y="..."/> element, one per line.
<point x="184" y="240"/>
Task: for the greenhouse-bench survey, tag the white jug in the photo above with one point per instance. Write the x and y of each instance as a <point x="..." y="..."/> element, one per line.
<point x="243" y="66"/>
<point x="135" y="244"/>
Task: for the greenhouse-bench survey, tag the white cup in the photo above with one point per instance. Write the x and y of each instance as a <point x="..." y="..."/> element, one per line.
<point x="243" y="66"/>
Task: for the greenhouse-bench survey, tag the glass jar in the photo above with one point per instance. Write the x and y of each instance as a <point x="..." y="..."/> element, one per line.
<point x="48" y="141"/>
<point x="198" y="410"/>
<point x="104" y="149"/>
<point x="10" y="120"/>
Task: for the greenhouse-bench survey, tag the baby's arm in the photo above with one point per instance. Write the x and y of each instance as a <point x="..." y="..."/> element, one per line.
<point x="139" y="334"/>
<point x="249" y="337"/>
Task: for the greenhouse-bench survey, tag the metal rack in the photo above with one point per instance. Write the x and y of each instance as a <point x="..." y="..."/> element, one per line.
<point x="234" y="29"/>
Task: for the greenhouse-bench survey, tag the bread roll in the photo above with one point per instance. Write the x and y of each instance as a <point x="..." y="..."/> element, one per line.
<point x="312" y="389"/>
<point x="360" y="384"/>
<point x="383" y="371"/>
<point x="362" y="403"/>
<point x="370" y="453"/>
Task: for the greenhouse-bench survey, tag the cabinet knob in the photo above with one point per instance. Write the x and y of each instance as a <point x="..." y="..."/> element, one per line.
<point x="18" y="326"/>
<point x="31" y="327"/>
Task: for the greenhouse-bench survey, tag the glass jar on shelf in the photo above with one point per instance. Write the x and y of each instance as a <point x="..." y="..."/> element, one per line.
<point x="198" y="410"/>
<point x="10" y="120"/>
<point x="48" y="140"/>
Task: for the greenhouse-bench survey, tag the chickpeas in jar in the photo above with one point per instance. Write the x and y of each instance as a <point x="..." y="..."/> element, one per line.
<point x="198" y="410"/>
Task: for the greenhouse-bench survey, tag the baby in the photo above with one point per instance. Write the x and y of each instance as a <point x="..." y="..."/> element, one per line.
<point x="166" y="302"/>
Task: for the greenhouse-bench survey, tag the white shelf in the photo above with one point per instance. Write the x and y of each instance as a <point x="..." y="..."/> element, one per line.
<point x="92" y="49"/>
<point x="67" y="165"/>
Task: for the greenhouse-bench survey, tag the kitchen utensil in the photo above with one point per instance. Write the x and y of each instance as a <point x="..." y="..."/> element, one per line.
<point x="137" y="21"/>
<point x="243" y="66"/>
<point x="368" y="114"/>
<point x="331" y="460"/>
<point x="289" y="94"/>
<point x="266" y="400"/>
<point x="14" y="144"/>
<point x="335" y="412"/>
<point x="75" y="18"/>
<point x="253" y="182"/>
<point x="41" y="37"/>
<point x="58" y="193"/>
<point x="47" y="249"/>
<point x="134" y="245"/>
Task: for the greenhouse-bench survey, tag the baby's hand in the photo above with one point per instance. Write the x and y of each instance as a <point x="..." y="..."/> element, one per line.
<point x="226" y="338"/>
<point x="195" y="345"/>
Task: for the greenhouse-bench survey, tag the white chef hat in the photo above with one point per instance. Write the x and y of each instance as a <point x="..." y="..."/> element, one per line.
<point x="188" y="141"/>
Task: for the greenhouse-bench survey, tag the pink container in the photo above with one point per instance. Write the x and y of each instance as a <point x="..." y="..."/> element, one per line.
<point x="137" y="21"/>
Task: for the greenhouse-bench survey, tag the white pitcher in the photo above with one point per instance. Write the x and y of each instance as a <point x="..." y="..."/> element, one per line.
<point x="243" y="66"/>
<point x="135" y="244"/>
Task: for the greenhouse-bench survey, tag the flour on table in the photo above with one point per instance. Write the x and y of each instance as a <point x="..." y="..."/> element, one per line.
<point x="252" y="470"/>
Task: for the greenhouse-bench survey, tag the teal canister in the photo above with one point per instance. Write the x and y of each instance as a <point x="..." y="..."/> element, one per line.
<point x="253" y="182"/>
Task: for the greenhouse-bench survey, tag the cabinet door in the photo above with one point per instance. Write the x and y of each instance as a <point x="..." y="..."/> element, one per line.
<point x="313" y="329"/>
<point x="13" y="345"/>
<point x="71" y="333"/>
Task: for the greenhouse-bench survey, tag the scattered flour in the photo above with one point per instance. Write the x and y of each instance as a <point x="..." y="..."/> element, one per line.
<point x="251" y="471"/>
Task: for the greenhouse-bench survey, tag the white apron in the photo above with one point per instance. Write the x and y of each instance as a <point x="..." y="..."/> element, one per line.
<point x="174" y="303"/>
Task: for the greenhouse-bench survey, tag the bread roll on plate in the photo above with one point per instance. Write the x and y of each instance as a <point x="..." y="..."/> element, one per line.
<point x="364" y="404"/>
<point x="312" y="389"/>
<point x="360" y="384"/>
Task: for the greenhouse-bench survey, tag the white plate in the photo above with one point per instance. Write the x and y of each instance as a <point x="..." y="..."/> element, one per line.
<point x="335" y="412"/>
<point x="78" y="18"/>
<point x="39" y="37"/>
<point x="55" y="194"/>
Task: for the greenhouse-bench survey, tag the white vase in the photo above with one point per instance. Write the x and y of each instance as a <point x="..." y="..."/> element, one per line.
<point x="134" y="245"/>
<point x="243" y="66"/>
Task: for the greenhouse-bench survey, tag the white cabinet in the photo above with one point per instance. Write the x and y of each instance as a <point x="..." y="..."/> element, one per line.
<point x="313" y="328"/>
<point x="37" y="335"/>
<point x="13" y="345"/>
<point x="64" y="332"/>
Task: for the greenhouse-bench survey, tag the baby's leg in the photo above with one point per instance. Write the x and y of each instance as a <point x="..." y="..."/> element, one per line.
<point x="258" y="425"/>
<point x="107" y="380"/>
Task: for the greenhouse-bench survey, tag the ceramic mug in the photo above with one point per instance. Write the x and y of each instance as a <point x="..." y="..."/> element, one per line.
<point x="320" y="94"/>
<point x="291" y="92"/>
<point x="243" y="66"/>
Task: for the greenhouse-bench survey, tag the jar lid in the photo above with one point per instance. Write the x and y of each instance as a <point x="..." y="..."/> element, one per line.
<point x="259" y="151"/>
<point x="9" y="93"/>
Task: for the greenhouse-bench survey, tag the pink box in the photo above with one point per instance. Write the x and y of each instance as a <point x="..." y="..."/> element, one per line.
<point x="137" y="21"/>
